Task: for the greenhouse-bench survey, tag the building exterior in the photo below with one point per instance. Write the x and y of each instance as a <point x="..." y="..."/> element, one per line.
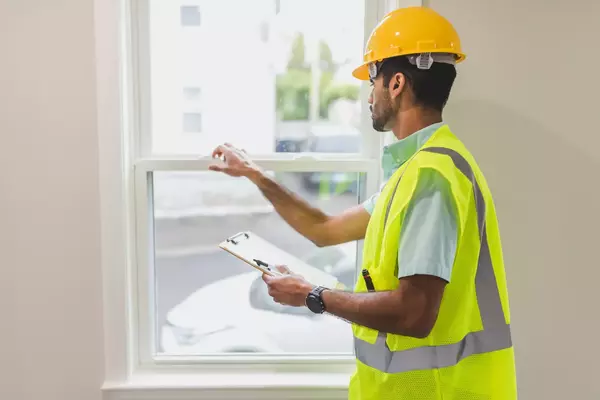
<point x="212" y="78"/>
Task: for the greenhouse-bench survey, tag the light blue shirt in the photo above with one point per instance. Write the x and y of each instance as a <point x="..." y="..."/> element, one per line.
<point x="429" y="233"/>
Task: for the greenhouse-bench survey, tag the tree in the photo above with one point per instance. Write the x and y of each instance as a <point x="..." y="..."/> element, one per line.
<point x="293" y="87"/>
<point x="326" y="57"/>
<point x="297" y="57"/>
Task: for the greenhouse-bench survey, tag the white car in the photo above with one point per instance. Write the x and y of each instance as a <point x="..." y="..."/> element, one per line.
<point x="237" y="314"/>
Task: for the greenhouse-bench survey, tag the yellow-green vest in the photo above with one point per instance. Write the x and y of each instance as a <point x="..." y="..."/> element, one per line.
<point x="468" y="355"/>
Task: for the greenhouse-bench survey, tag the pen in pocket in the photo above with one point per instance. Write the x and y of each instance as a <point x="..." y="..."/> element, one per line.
<point x="368" y="280"/>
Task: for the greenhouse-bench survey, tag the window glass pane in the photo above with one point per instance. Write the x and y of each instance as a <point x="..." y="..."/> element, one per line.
<point x="191" y="94"/>
<point x="208" y="301"/>
<point x="275" y="75"/>
<point x="190" y="16"/>
<point x="192" y="122"/>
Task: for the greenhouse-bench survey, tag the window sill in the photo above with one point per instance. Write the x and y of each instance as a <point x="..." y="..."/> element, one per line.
<point x="323" y="386"/>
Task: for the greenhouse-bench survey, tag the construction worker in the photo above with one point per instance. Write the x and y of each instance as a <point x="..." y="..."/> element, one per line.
<point x="430" y="311"/>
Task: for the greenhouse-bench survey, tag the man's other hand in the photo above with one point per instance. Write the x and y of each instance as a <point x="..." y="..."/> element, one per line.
<point x="288" y="289"/>
<point x="235" y="161"/>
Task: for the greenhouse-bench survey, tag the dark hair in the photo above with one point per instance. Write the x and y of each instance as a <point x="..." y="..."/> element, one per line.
<point x="430" y="87"/>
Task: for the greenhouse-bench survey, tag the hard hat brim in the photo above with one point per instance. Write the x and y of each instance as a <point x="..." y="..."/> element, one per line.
<point x="362" y="72"/>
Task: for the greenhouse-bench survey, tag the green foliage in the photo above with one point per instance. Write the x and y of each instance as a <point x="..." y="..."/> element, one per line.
<point x="293" y="87"/>
<point x="326" y="57"/>
<point x="336" y="92"/>
<point x="297" y="58"/>
<point x="293" y="94"/>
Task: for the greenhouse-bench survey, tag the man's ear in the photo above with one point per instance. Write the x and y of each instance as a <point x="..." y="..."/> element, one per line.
<point x="396" y="85"/>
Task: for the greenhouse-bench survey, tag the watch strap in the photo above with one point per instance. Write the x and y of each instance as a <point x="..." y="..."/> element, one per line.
<point x="318" y="290"/>
<point x="316" y="295"/>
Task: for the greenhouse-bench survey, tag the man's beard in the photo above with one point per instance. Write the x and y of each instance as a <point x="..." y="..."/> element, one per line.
<point x="381" y="120"/>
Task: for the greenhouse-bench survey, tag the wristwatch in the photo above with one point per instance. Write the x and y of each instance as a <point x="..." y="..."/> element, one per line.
<point x="314" y="300"/>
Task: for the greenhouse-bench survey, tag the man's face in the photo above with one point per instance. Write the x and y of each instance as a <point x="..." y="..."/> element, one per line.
<point x="384" y="103"/>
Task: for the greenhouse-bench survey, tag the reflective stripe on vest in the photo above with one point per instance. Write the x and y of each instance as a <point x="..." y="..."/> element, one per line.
<point x="495" y="334"/>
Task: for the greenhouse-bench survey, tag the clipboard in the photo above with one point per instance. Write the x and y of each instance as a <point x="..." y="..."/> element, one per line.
<point x="251" y="248"/>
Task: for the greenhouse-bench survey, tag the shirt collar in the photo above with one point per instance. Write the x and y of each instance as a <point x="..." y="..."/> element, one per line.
<point x="400" y="151"/>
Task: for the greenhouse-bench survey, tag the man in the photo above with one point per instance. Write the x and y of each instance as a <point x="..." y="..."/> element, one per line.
<point x="430" y="316"/>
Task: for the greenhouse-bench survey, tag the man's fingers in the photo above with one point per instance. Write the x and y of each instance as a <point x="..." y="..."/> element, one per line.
<point x="273" y="292"/>
<point x="271" y="281"/>
<point x="267" y="278"/>
<point x="225" y="169"/>
<point x="219" y="168"/>
<point x="278" y="297"/>
<point x="229" y="147"/>
<point x="223" y="150"/>
<point x="283" y="269"/>
<point x="218" y="151"/>
<point x="234" y="149"/>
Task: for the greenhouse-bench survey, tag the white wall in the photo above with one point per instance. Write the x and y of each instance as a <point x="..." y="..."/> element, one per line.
<point x="527" y="104"/>
<point x="50" y="278"/>
<point x="532" y="128"/>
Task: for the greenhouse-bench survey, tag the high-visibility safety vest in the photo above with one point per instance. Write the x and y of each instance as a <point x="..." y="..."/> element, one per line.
<point x="468" y="355"/>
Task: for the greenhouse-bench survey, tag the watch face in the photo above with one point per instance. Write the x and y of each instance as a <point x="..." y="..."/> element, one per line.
<point x="314" y="304"/>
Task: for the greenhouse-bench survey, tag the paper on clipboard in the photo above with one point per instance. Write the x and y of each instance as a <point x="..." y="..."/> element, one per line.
<point x="249" y="247"/>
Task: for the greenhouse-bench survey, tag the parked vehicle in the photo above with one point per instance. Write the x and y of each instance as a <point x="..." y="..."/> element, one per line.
<point x="237" y="314"/>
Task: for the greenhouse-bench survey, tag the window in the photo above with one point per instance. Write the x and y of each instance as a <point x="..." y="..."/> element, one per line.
<point x="190" y="16"/>
<point x="191" y="94"/>
<point x="275" y="79"/>
<point x="192" y="122"/>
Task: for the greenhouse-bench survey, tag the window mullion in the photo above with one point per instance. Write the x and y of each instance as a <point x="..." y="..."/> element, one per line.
<point x="141" y="88"/>
<point x="143" y="271"/>
<point x="302" y="164"/>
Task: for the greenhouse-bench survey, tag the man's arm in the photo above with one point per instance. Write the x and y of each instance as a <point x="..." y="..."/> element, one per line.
<point x="311" y="222"/>
<point x="410" y="310"/>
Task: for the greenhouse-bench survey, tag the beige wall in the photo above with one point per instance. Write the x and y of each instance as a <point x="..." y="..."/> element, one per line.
<point x="50" y="280"/>
<point x="527" y="103"/>
<point x="531" y="126"/>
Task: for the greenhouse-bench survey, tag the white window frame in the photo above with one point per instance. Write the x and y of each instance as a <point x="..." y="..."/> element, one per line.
<point x="131" y="371"/>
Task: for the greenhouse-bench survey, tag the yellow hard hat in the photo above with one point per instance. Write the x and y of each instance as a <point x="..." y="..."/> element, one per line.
<point x="410" y="31"/>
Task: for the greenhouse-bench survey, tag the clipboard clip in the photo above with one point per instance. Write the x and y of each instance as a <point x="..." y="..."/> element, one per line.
<point x="232" y="239"/>
<point x="270" y="268"/>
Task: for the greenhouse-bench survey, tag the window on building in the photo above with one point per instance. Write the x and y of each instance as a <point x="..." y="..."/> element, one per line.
<point x="278" y="96"/>
<point x="191" y="94"/>
<point x="190" y="15"/>
<point x="192" y="122"/>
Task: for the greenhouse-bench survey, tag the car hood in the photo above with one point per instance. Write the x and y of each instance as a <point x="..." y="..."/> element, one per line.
<point x="215" y="303"/>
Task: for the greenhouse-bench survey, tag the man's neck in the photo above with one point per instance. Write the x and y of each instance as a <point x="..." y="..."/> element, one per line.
<point x="411" y="121"/>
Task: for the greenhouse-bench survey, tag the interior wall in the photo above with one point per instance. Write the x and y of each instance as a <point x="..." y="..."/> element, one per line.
<point x="50" y="277"/>
<point x="527" y="104"/>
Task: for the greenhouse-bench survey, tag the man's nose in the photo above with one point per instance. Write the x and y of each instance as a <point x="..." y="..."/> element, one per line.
<point x="370" y="100"/>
